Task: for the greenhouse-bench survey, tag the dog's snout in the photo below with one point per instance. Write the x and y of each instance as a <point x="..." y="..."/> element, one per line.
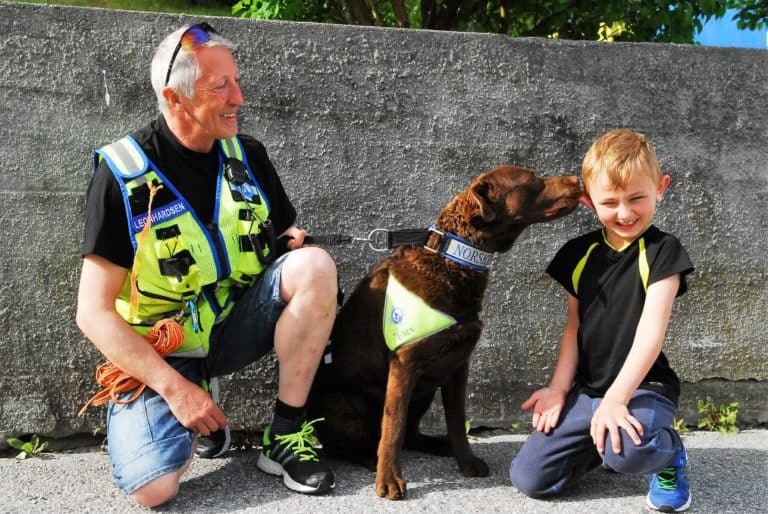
<point x="572" y="179"/>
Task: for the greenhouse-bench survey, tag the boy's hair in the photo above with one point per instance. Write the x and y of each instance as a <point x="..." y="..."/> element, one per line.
<point x="619" y="153"/>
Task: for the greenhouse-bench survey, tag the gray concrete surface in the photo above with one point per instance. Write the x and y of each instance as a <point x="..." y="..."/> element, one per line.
<point x="728" y="474"/>
<point x="379" y="128"/>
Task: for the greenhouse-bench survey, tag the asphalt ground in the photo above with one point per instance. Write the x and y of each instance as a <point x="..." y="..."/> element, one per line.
<point x="728" y="474"/>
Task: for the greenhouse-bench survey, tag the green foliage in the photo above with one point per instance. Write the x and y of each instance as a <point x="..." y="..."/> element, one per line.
<point x="468" y="428"/>
<point x="750" y="14"/>
<point x="721" y="419"/>
<point x="28" y="449"/>
<point x="607" y="20"/>
<point x="679" y="426"/>
<point x="195" y="7"/>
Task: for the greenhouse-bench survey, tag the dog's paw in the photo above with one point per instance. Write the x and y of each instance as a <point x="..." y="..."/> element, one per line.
<point x="391" y="488"/>
<point x="475" y="467"/>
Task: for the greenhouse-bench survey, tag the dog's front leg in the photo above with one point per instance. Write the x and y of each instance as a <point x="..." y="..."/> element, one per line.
<point x="400" y="382"/>
<point x="454" y="393"/>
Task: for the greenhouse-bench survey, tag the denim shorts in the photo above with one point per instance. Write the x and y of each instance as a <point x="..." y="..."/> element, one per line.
<point x="145" y="440"/>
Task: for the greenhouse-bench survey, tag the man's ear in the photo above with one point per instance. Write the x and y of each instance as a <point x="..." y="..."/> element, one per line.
<point x="172" y="98"/>
<point x="663" y="185"/>
<point x="479" y="192"/>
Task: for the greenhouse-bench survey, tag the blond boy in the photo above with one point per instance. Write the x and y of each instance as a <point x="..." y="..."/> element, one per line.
<point x="612" y="397"/>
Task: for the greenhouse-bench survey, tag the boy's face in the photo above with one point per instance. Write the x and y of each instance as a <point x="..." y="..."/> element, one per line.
<point x="626" y="211"/>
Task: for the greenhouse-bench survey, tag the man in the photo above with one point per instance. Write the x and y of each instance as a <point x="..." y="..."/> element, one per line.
<point x="183" y="221"/>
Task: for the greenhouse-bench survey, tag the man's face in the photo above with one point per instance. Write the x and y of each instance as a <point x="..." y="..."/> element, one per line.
<point x="212" y="112"/>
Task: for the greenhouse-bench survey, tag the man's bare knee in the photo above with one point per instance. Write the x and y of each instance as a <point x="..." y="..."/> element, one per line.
<point x="158" y="491"/>
<point x="310" y="270"/>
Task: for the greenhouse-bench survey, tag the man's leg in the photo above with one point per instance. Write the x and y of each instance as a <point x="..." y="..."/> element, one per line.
<point x="291" y="307"/>
<point x="149" y="449"/>
<point x="308" y="285"/>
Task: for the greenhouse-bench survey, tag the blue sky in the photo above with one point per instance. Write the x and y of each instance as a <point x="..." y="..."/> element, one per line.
<point x="723" y="32"/>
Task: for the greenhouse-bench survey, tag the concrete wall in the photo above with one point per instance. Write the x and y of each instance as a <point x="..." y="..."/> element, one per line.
<point x="379" y="128"/>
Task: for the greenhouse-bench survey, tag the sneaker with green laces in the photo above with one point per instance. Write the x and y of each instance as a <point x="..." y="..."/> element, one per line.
<point x="668" y="491"/>
<point x="295" y="458"/>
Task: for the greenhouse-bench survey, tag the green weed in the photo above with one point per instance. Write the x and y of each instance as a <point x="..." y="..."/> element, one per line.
<point x="680" y="427"/>
<point x="718" y="418"/>
<point x="28" y="449"/>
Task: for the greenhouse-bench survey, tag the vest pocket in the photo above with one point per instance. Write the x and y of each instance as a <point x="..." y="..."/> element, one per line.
<point x="176" y="263"/>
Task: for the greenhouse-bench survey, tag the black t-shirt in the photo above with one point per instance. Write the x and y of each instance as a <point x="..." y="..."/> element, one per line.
<point x="609" y="286"/>
<point x="194" y="174"/>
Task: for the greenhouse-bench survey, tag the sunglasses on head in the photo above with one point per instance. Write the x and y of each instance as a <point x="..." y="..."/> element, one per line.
<point x="193" y="37"/>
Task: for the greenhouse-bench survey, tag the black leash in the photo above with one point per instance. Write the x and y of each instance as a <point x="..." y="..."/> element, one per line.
<point x="378" y="239"/>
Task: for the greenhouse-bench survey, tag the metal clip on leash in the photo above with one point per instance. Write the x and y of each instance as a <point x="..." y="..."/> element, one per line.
<point x="374" y="240"/>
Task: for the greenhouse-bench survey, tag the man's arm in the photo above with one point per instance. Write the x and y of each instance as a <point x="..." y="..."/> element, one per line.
<point x="100" y="284"/>
<point x="646" y="347"/>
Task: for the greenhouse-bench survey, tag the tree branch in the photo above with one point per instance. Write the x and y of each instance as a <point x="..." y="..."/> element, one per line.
<point x="359" y="12"/>
<point x="401" y="14"/>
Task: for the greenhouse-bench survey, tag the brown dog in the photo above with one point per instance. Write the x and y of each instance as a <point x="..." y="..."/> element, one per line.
<point x="372" y="397"/>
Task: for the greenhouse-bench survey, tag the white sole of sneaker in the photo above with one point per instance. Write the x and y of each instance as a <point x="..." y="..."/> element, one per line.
<point x="665" y="508"/>
<point x="272" y="467"/>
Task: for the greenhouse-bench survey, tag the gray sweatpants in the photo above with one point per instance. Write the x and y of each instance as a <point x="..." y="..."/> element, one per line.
<point x="548" y="463"/>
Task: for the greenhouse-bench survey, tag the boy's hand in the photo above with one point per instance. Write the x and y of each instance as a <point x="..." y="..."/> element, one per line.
<point x="547" y="405"/>
<point x="611" y="415"/>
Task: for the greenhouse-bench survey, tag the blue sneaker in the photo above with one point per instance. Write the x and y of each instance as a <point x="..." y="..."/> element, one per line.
<point x="668" y="491"/>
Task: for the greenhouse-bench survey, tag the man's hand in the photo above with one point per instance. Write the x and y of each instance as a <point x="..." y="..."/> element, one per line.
<point x="610" y="416"/>
<point x="294" y="237"/>
<point x="195" y="409"/>
<point x="547" y="406"/>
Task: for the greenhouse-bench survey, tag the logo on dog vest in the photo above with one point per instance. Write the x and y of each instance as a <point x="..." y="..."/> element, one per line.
<point x="407" y="318"/>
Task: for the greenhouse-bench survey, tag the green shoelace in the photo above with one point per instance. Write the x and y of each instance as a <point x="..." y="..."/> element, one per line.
<point x="301" y="443"/>
<point x="667" y="478"/>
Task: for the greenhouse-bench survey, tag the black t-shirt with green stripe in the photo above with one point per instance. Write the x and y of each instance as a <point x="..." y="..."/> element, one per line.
<point x="611" y="288"/>
<point x="194" y="174"/>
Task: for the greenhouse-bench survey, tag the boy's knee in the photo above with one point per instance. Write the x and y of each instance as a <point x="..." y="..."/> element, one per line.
<point x="158" y="491"/>
<point x="528" y="482"/>
<point x="645" y="457"/>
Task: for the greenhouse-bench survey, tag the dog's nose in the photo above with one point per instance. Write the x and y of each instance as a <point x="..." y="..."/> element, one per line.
<point x="572" y="179"/>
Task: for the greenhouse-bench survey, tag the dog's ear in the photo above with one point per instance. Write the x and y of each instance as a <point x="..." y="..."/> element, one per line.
<point x="480" y="192"/>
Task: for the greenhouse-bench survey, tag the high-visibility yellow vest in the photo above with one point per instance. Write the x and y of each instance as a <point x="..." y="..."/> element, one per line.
<point x="186" y="268"/>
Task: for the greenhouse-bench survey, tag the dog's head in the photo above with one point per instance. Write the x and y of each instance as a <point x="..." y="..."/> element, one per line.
<point x="500" y="203"/>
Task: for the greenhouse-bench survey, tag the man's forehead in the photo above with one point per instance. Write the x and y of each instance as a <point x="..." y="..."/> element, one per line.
<point x="216" y="62"/>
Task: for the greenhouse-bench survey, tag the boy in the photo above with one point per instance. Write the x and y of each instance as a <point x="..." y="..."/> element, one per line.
<point x="613" y="395"/>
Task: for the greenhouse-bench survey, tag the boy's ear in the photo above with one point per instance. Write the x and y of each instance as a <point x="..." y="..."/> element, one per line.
<point x="663" y="185"/>
<point x="586" y="200"/>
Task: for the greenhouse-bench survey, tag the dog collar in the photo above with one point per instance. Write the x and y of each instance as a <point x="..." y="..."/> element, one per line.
<point x="461" y="251"/>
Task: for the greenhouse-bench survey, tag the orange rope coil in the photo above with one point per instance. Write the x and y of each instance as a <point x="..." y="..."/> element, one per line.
<point x="165" y="336"/>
